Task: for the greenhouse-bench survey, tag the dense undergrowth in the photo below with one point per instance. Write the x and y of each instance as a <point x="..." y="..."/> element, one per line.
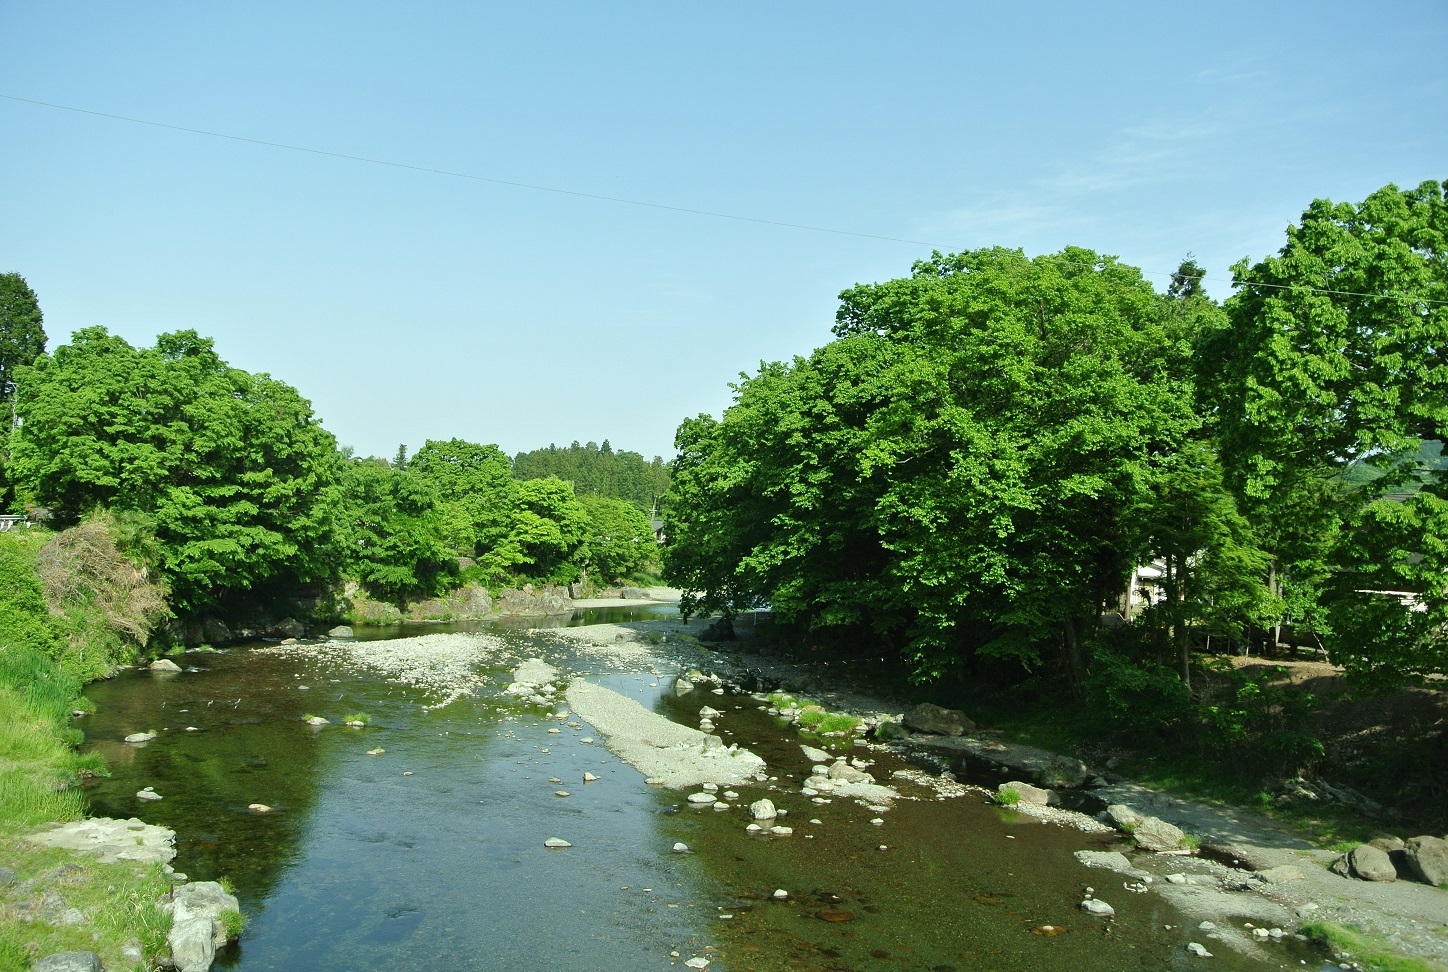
<point x="55" y="630"/>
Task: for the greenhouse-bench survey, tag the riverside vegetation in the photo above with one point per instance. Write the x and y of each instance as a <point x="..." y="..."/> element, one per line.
<point x="961" y="485"/>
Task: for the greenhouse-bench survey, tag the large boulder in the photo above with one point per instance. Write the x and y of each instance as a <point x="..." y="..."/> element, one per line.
<point x="164" y="665"/>
<point x="938" y="720"/>
<point x="534" y="602"/>
<point x="1369" y="863"/>
<point x="634" y="594"/>
<point x="1155" y="834"/>
<point x="470" y="602"/>
<point x="1029" y="793"/>
<point x="1427" y="858"/>
<point x="1123" y="817"/>
<point x="289" y="628"/>
<point x="197" y="926"/>
<point x="215" y="632"/>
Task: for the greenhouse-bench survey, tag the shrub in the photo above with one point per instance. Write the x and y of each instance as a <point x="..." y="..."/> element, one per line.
<point x="1008" y="796"/>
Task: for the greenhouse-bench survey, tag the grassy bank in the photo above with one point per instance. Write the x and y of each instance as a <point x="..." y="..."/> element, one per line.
<point x="39" y="771"/>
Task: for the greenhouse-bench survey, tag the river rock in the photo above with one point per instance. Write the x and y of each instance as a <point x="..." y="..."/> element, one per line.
<point x="682" y="686"/>
<point x="701" y="798"/>
<point x="681" y="848"/>
<point x="556" y="842"/>
<point x="214" y="631"/>
<point x="112" y="840"/>
<point x="938" y="721"/>
<point x="289" y="628"/>
<point x="1155" y="834"/>
<point x="1199" y="950"/>
<point x="1123" y="817"/>
<point x="710" y="713"/>
<point x="1033" y="795"/>
<point x="849" y="774"/>
<point x="763" y="809"/>
<point x="1427" y="859"/>
<point x="341" y="631"/>
<point x="197" y="927"/>
<point x="318" y="721"/>
<point x="148" y="794"/>
<point x="1096" y="906"/>
<point x="1369" y="863"/>
<point x="164" y="665"/>
<point x="781" y="830"/>
<point x="1112" y="861"/>
<point x="815" y="755"/>
<point x="140" y="737"/>
<point x="1388" y="844"/>
<point x="69" y="962"/>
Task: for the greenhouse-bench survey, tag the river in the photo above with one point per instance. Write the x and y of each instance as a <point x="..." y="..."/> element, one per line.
<point x="430" y="854"/>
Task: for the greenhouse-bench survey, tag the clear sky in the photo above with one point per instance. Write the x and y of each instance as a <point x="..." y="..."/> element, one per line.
<point x="409" y="305"/>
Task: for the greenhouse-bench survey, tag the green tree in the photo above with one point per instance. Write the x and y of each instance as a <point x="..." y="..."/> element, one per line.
<point x="1331" y="368"/>
<point x="547" y="531"/>
<point x="22" y="338"/>
<point x="393" y="531"/>
<point x="620" y="539"/>
<point x="475" y="490"/>
<point x="232" y="467"/>
<point x="597" y="470"/>
<point x="953" y="472"/>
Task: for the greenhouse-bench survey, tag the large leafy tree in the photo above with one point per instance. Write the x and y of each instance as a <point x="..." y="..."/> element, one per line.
<point x="1332" y="367"/>
<point x="393" y="531"/>
<point x="232" y="467"/>
<point x="475" y="491"/>
<point x="620" y="539"/>
<point x="954" y="472"/>
<point x="22" y="338"/>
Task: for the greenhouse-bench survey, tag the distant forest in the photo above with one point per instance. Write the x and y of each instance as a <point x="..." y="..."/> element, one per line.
<point x="596" y="470"/>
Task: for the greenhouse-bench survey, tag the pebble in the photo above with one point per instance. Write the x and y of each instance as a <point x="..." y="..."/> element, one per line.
<point x="556" y="842"/>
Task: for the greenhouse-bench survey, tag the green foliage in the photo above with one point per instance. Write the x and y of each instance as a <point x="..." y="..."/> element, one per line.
<point x="234" y="922"/>
<point x="953" y="473"/>
<point x="596" y="470"/>
<point x="620" y="540"/>
<point x="392" y="530"/>
<point x="1007" y="796"/>
<point x="810" y="718"/>
<point x="838" y="722"/>
<point x="231" y="467"/>
<point x="361" y="718"/>
<point x="547" y="531"/>
<point x="22" y="336"/>
<point x="1329" y="385"/>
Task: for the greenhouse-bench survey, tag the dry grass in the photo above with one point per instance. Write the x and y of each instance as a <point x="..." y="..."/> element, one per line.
<point x="84" y="566"/>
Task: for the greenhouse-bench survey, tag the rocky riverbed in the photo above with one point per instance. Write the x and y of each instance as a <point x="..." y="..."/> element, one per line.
<point x="725" y="783"/>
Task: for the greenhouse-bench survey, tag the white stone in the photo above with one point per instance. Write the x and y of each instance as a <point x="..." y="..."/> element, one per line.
<point x="556" y="842"/>
<point x="779" y="894"/>
<point x="1096" y="906"/>
<point x="763" y="809"/>
<point x="781" y="831"/>
<point x="1198" y="950"/>
<point x="701" y="798"/>
<point x="681" y="848"/>
<point x="140" y="737"/>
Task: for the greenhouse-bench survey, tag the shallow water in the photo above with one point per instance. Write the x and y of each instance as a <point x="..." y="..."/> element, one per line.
<point x="361" y="867"/>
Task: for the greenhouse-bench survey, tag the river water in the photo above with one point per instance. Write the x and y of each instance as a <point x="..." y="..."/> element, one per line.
<point x="430" y="854"/>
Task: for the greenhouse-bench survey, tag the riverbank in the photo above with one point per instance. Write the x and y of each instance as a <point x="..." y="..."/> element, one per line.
<point x="51" y="899"/>
<point x="1221" y="884"/>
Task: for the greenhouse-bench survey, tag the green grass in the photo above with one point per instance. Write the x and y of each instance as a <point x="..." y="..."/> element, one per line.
<point x="234" y="922"/>
<point x="39" y="768"/>
<point x="1367" y="950"/>
<point x="811" y="719"/>
<point x="838" y="722"/>
<point x="1008" y="797"/>
<point x="357" y="717"/>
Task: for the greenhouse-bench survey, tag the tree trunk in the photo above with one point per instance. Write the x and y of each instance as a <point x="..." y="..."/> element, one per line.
<point x="1075" y="669"/>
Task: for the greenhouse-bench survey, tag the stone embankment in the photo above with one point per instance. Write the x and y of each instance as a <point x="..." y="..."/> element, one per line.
<point x="199" y="910"/>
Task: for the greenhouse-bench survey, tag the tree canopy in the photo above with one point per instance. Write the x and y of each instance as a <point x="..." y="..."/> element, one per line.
<point x="232" y="467"/>
<point x="22" y="336"/>
<point x="597" y="470"/>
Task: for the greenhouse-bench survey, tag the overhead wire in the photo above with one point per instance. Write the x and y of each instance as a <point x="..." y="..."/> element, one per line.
<point x="649" y="204"/>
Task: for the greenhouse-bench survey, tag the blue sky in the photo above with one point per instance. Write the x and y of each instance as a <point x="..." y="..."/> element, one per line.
<point x="409" y="305"/>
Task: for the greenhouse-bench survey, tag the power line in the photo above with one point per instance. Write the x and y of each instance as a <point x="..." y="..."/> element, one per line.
<point x="626" y="201"/>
